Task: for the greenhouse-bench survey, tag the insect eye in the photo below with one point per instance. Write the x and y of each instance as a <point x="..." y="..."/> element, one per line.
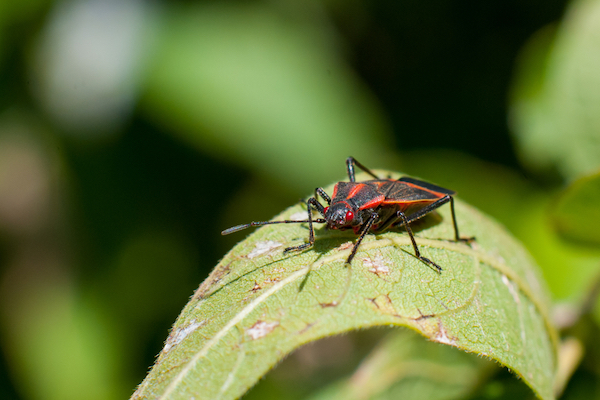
<point x="349" y="215"/>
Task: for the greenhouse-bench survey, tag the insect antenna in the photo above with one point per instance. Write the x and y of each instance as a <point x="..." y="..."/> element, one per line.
<point x="261" y="223"/>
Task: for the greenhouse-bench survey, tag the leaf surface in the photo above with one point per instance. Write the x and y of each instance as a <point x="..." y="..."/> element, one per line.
<point x="555" y="95"/>
<point x="260" y="304"/>
<point x="404" y="366"/>
<point x="576" y="213"/>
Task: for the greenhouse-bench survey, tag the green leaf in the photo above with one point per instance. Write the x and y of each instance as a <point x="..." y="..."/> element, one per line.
<point x="576" y="214"/>
<point x="259" y="304"/>
<point x="556" y="94"/>
<point x="404" y="366"/>
<point x="522" y="207"/>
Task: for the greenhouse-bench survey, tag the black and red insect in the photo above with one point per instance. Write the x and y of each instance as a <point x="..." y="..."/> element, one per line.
<point x="374" y="205"/>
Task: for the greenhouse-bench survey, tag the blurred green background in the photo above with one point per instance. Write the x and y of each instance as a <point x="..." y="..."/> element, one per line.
<point x="133" y="132"/>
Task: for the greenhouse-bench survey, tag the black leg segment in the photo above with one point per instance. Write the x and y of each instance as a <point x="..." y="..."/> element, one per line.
<point x="350" y="162"/>
<point x="406" y="224"/>
<point x="363" y="231"/>
<point x="320" y="192"/>
<point x="426" y="210"/>
<point x="312" y="202"/>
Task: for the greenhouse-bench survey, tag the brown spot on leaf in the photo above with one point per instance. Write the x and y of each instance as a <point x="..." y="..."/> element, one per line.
<point x="423" y="316"/>
<point x="306" y="328"/>
<point x="218" y="273"/>
<point x="256" y="287"/>
<point x="384" y="304"/>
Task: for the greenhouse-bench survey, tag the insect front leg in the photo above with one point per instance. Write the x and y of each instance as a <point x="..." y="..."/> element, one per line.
<point x="363" y="231"/>
<point x="406" y="224"/>
<point x="314" y="203"/>
<point x="320" y="192"/>
<point x="350" y="162"/>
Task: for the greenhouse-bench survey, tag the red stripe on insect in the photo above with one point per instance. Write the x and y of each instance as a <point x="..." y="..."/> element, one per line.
<point x="355" y="190"/>
<point x="373" y="203"/>
<point x="408" y="202"/>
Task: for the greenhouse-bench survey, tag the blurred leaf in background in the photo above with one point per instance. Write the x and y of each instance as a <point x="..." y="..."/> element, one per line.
<point x="87" y="63"/>
<point x="263" y="90"/>
<point x="556" y="95"/>
<point x="554" y="118"/>
<point x="57" y="342"/>
<point x="576" y="214"/>
<point x="403" y="365"/>
<point x="16" y="19"/>
<point x="132" y="133"/>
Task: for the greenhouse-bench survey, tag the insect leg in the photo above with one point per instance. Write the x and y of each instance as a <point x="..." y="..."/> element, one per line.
<point x="405" y="222"/>
<point x="312" y="202"/>
<point x="426" y="210"/>
<point x="363" y="231"/>
<point x="320" y="192"/>
<point x="456" y="235"/>
<point x="350" y="162"/>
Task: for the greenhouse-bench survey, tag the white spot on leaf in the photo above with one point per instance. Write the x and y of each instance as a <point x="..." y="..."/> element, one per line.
<point x="261" y="329"/>
<point x="377" y="265"/>
<point x="345" y="246"/>
<point x="511" y="289"/>
<point x="263" y="248"/>
<point x="179" y="334"/>
<point x="442" y="336"/>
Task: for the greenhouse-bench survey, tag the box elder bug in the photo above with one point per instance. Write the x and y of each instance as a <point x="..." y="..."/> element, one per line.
<point x="374" y="205"/>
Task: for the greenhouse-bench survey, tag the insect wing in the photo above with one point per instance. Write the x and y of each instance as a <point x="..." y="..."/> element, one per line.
<point x="409" y="198"/>
<point x="430" y="187"/>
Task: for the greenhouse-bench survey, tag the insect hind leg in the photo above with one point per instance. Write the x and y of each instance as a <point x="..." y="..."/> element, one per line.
<point x="431" y="207"/>
<point x="406" y="223"/>
<point x="350" y="162"/>
<point x="457" y="237"/>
